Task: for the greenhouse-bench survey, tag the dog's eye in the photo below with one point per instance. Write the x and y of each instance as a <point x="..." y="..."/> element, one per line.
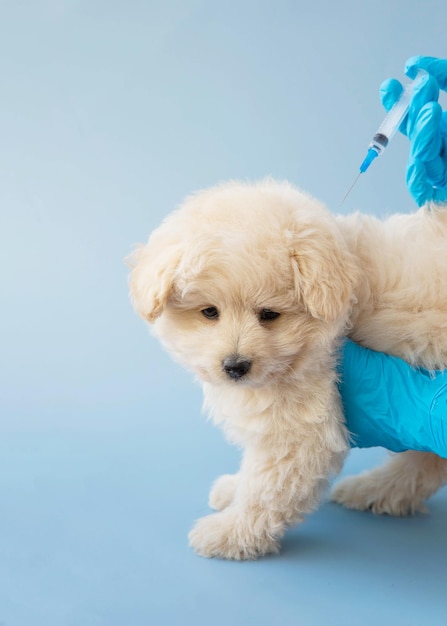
<point x="267" y="315"/>
<point x="210" y="313"/>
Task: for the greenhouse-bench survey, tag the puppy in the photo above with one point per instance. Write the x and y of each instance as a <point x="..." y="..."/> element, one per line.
<point x="252" y="288"/>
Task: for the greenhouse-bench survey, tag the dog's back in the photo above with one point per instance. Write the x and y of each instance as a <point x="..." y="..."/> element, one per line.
<point x="402" y="295"/>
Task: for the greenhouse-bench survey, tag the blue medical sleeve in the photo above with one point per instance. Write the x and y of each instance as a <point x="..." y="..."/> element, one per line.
<point x="388" y="403"/>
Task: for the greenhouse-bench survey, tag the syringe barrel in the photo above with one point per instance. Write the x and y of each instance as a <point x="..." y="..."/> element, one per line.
<point x="397" y="113"/>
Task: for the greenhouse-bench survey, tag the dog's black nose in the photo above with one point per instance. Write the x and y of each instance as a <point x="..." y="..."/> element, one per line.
<point x="236" y="367"/>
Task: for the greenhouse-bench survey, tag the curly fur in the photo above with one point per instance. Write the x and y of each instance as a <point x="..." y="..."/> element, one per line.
<point x="244" y="249"/>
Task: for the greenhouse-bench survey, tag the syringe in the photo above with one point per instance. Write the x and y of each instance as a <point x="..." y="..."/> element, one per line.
<point x="387" y="128"/>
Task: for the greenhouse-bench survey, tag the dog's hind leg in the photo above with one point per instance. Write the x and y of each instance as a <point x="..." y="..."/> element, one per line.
<point x="399" y="487"/>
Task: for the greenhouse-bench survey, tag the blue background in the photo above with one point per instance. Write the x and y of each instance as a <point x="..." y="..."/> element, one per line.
<point x="110" y="113"/>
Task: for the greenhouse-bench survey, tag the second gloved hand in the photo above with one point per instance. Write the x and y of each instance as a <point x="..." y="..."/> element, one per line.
<point x="391" y="404"/>
<point x="426" y="128"/>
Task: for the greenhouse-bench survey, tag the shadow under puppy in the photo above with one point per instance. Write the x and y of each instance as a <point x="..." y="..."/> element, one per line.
<point x="251" y="287"/>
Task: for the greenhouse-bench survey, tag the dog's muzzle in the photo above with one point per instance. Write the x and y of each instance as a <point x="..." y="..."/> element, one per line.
<point x="236" y="367"/>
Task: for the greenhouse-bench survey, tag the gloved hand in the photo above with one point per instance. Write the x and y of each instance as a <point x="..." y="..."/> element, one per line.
<point x="426" y="127"/>
<point x="388" y="403"/>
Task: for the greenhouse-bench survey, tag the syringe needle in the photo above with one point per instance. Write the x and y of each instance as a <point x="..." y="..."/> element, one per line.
<point x="349" y="190"/>
<point x="387" y="129"/>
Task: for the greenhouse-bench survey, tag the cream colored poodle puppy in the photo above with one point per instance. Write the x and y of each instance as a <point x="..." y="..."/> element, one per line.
<point x="252" y="287"/>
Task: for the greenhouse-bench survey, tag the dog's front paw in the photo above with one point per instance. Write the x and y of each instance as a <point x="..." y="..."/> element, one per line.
<point x="222" y="492"/>
<point x="376" y="492"/>
<point x="230" y="535"/>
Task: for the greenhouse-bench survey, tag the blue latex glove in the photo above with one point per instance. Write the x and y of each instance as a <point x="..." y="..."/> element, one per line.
<point x="426" y="127"/>
<point x="388" y="403"/>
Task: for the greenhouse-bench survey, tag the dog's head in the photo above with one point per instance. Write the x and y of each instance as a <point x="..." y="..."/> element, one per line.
<point x="244" y="281"/>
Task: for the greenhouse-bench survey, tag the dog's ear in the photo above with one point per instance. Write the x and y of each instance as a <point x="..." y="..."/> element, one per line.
<point x="325" y="271"/>
<point x="152" y="277"/>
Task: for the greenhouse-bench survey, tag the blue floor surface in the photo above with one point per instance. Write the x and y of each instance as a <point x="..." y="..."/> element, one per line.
<point x="93" y="533"/>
